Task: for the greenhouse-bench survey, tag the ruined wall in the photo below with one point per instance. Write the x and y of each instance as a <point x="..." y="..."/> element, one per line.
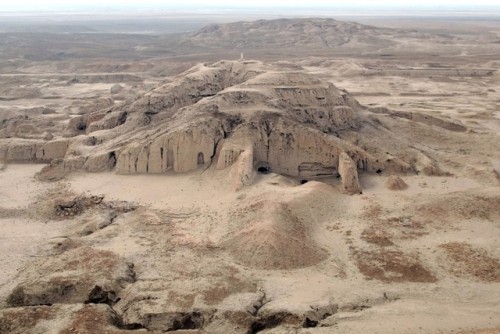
<point x="181" y="151"/>
<point x="229" y="153"/>
<point x="349" y="173"/>
<point x="307" y="153"/>
<point x="242" y="172"/>
<point x="286" y="151"/>
<point x="295" y="150"/>
<point x="447" y="124"/>
<point x="303" y="152"/>
<point x="238" y="157"/>
<point x="18" y="150"/>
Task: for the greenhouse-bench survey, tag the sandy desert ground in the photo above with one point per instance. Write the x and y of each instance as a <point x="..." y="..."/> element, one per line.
<point x="343" y="178"/>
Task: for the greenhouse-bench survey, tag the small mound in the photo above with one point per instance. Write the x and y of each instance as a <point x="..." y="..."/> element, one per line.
<point x="279" y="240"/>
<point x="116" y="88"/>
<point x="394" y="182"/>
<point x="266" y="247"/>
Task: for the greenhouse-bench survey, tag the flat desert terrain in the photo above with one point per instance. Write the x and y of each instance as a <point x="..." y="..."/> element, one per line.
<point x="299" y="175"/>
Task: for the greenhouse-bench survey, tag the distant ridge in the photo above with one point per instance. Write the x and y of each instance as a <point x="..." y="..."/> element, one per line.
<point x="283" y="33"/>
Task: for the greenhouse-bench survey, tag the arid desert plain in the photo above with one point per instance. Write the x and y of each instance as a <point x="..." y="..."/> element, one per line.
<point x="202" y="174"/>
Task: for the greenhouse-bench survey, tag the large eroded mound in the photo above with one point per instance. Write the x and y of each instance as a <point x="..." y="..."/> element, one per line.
<point x="244" y="116"/>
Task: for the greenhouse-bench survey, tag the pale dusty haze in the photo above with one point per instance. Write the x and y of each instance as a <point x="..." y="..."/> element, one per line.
<point x="80" y="4"/>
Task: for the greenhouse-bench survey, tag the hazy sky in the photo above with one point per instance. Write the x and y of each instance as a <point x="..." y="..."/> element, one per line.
<point x="9" y="5"/>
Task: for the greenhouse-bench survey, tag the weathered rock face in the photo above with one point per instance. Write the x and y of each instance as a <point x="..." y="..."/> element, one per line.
<point x="243" y="116"/>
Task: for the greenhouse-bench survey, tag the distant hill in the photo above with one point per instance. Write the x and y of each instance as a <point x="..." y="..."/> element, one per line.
<point x="283" y="33"/>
